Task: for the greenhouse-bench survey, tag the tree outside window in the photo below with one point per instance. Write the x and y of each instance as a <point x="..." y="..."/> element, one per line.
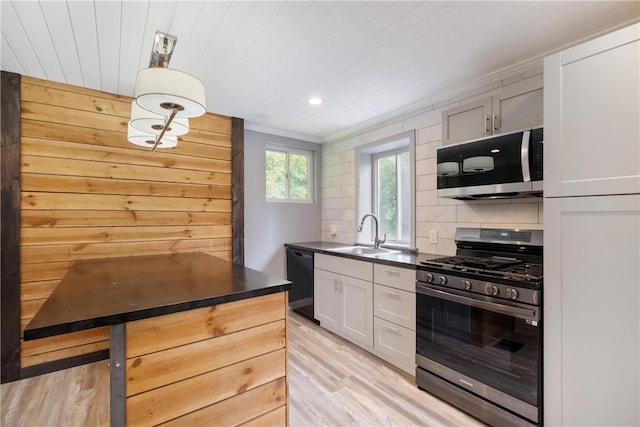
<point x="288" y="175"/>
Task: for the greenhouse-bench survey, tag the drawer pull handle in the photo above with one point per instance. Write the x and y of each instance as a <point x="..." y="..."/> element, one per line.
<point x="391" y="294"/>
<point x="390" y="329"/>
<point x="393" y="273"/>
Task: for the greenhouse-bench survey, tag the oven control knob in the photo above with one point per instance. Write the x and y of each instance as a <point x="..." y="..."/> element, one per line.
<point x="467" y="284"/>
<point x="442" y="280"/>
<point x="429" y="277"/>
<point x="492" y="289"/>
<point x="512" y="293"/>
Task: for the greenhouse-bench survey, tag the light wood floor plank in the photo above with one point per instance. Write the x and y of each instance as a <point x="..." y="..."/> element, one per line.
<point x="331" y="383"/>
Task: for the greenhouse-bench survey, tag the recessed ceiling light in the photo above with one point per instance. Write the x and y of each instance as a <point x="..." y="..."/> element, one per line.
<point x="314" y="100"/>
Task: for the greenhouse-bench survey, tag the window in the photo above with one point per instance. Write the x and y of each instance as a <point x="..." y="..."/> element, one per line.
<point x="392" y="195"/>
<point x="289" y="175"/>
<point x="386" y="188"/>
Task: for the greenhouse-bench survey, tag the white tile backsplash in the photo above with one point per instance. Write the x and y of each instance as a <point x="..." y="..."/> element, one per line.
<point x="432" y="213"/>
<point x="499" y="213"/>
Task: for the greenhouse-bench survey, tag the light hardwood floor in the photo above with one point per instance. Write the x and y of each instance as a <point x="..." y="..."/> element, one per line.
<point x="331" y="383"/>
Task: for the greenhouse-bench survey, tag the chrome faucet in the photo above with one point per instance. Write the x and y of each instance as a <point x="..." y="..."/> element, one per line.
<point x="377" y="242"/>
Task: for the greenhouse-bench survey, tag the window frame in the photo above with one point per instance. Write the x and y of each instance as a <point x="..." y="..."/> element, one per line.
<point x="310" y="173"/>
<point x="366" y="186"/>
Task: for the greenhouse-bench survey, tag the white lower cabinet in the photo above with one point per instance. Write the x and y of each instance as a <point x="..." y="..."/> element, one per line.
<point x="394" y="322"/>
<point x="343" y="303"/>
<point x="591" y="311"/>
<point x="379" y="317"/>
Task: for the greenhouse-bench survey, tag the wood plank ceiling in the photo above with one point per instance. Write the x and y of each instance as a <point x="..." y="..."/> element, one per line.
<point x="370" y="61"/>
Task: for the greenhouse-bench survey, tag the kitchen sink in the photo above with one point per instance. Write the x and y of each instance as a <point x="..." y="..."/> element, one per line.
<point x="362" y="250"/>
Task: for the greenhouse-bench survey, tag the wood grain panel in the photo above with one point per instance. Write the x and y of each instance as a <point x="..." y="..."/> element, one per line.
<point x="73" y="339"/>
<point x="99" y="169"/>
<point x="198" y="139"/>
<point x="156" y="369"/>
<point x="62" y="97"/>
<point x="204" y="323"/>
<point x="58" y="354"/>
<point x="45" y="271"/>
<point x="71" y="218"/>
<point x="71" y="184"/>
<point x="71" y="150"/>
<point x="38" y="200"/>
<point x="53" y="114"/>
<point x="40" y="236"/>
<point x="197" y="143"/>
<point x="37" y="290"/>
<point x="88" y="193"/>
<point x="212" y="123"/>
<point x="276" y="417"/>
<point x="240" y="409"/>
<point x="55" y="253"/>
<point x="75" y="89"/>
<point x="177" y="399"/>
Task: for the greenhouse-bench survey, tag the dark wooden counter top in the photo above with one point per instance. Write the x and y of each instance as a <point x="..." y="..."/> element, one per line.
<point x="109" y="291"/>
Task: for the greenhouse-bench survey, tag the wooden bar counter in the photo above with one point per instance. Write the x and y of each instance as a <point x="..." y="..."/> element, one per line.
<point x="195" y="340"/>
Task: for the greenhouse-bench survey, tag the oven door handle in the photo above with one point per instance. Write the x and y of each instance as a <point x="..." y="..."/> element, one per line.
<point x="515" y="311"/>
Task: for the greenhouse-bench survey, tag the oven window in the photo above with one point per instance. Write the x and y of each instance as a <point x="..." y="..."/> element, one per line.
<point x="498" y="350"/>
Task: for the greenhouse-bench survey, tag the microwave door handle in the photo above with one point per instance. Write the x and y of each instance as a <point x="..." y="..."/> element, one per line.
<point x="519" y="312"/>
<point x="524" y="156"/>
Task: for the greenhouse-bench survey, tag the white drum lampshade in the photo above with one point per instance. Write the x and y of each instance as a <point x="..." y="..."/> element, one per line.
<point x="148" y="140"/>
<point x="148" y="122"/>
<point x="159" y="90"/>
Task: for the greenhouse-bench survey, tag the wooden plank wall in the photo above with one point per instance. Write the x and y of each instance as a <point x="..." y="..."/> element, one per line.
<point x="89" y="193"/>
<point x="220" y="365"/>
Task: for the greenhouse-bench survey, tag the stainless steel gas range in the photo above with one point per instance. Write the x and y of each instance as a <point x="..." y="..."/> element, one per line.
<point x="479" y="325"/>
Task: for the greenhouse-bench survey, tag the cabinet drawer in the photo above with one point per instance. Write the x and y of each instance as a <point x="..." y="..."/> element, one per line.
<point x="395" y="305"/>
<point x="395" y="344"/>
<point x="396" y="277"/>
<point x="345" y="266"/>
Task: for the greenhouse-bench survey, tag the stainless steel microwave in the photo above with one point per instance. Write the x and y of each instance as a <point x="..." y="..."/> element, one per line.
<point x="499" y="166"/>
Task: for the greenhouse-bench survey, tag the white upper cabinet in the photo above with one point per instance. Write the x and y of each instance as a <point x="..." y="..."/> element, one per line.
<point x="592" y="117"/>
<point x="514" y="108"/>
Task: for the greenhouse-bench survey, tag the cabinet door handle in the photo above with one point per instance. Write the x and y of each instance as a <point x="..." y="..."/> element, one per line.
<point x="487" y="128"/>
<point x="391" y="294"/>
<point x="336" y="285"/>
<point x="496" y="123"/>
<point x="393" y="273"/>
<point x="392" y="330"/>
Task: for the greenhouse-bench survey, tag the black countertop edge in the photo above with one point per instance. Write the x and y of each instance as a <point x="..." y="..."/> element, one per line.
<point x="396" y="259"/>
<point x="80" y="325"/>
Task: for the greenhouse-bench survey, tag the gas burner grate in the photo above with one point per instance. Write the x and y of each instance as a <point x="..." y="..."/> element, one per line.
<point x="492" y="263"/>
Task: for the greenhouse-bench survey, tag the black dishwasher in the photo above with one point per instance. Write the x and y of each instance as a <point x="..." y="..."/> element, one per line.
<point x="300" y="273"/>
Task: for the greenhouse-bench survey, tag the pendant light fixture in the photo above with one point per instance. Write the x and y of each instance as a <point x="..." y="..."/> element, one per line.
<point x="148" y="140"/>
<point x="146" y="121"/>
<point x="165" y="98"/>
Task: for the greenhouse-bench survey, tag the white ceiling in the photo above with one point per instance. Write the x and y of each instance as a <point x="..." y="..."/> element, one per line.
<point x="369" y="61"/>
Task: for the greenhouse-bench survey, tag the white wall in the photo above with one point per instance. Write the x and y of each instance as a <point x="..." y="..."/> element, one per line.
<point x="432" y="212"/>
<point x="268" y="226"/>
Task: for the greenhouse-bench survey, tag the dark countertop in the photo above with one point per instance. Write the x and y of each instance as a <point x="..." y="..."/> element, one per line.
<point x="399" y="259"/>
<point x="108" y="291"/>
